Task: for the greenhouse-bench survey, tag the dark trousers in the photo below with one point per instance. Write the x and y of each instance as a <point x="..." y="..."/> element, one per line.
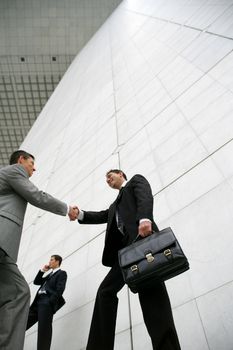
<point x="41" y="312"/>
<point x="156" y="311"/>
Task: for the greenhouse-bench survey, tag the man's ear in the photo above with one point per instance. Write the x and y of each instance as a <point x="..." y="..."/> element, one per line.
<point x="20" y="159"/>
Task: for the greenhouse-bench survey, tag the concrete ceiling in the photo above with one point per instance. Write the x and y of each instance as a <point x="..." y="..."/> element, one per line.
<point x="38" y="41"/>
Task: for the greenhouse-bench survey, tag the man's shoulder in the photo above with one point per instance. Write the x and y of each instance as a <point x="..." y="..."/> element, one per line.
<point x="62" y="272"/>
<point x="62" y="275"/>
<point x="13" y="170"/>
<point x="137" y="177"/>
<point x="7" y="169"/>
<point x="57" y="275"/>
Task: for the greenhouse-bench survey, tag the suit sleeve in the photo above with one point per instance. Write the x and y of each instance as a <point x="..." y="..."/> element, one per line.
<point x="143" y="197"/>
<point x="39" y="280"/>
<point x="95" y="217"/>
<point x="21" y="184"/>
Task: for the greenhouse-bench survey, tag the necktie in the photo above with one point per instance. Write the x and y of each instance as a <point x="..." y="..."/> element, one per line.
<point x="120" y="224"/>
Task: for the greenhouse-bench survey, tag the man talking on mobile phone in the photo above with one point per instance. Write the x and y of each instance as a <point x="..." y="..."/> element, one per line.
<point x="47" y="301"/>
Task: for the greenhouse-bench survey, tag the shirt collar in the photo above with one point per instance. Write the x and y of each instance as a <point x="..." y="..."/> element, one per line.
<point x="123" y="184"/>
<point x="55" y="270"/>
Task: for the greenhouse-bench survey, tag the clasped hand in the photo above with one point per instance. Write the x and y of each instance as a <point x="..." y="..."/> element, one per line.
<point x="73" y="212"/>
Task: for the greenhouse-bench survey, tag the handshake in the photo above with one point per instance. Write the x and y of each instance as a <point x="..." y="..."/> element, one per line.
<point x="73" y="212"/>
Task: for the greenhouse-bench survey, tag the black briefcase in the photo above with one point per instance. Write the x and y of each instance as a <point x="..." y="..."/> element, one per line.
<point x="153" y="259"/>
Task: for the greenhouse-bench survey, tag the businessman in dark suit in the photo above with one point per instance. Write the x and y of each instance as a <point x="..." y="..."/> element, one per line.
<point x="129" y="215"/>
<point x="47" y="301"/>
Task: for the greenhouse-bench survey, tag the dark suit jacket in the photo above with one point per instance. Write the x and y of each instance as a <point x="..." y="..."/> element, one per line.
<point x="55" y="286"/>
<point x="134" y="203"/>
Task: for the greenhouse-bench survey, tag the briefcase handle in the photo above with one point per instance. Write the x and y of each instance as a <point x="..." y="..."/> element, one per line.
<point x="138" y="235"/>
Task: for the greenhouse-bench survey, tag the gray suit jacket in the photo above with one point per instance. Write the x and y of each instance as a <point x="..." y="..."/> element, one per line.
<point x="16" y="190"/>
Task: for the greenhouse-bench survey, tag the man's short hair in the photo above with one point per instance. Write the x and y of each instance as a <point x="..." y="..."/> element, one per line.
<point x="15" y="156"/>
<point x="57" y="258"/>
<point x="117" y="171"/>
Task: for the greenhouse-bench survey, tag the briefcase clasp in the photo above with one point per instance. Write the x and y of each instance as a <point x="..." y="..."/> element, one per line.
<point x="134" y="268"/>
<point x="149" y="258"/>
<point x="167" y="252"/>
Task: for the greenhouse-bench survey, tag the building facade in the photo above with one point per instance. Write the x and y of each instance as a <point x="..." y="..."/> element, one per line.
<point x="151" y="93"/>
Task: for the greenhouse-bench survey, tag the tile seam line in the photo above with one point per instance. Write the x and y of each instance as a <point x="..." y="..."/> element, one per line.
<point x="181" y="25"/>
<point x="114" y="101"/>
<point x="194" y="166"/>
<point x="202" y="323"/>
<point x="202" y="295"/>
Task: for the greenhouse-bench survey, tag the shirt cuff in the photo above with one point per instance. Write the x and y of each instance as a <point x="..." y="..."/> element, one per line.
<point x="143" y="220"/>
<point x="81" y="215"/>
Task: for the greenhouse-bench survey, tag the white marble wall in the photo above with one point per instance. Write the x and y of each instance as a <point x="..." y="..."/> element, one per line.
<point x="152" y="93"/>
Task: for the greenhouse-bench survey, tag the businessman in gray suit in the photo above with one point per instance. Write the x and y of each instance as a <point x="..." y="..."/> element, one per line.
<point x="16" y="190"/>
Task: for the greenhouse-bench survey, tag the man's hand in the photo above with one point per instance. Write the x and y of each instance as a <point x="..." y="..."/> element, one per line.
<point x="73" y="212"/>
<point x="145" y="228"/>
<point x="45" y="268"/>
